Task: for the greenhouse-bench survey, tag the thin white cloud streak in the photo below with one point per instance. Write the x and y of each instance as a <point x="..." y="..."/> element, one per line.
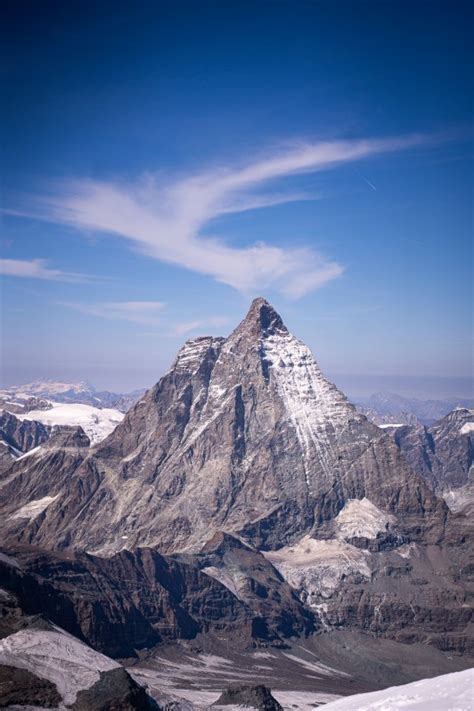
<point x="166" y="221"/>
<point x="38" y="269"/>
<point x="181" y="329"/>
<point x="145" y="313"/>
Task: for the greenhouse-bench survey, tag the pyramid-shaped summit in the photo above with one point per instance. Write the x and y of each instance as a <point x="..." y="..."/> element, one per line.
<point x="243" y="435"/>
<point x="262" y="317"/>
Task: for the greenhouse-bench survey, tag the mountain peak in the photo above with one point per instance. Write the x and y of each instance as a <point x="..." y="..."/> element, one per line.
<point x="262" y="317"/>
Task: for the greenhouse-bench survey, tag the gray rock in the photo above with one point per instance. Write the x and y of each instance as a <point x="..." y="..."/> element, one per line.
<point x="115" y="691"/>
<point x="20" y="687"/>
<point x="442" y="454"/>
<point x="22" y="435"/>
<point x="257" y="697"/>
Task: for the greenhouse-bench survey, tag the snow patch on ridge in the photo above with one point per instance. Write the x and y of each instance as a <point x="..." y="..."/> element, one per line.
<point x="29" y="453"/>
<point x="467" y="428"/>
<point x="361" y="518"/>
<point x="191" y="354"/>
<point x="226" y="577"/>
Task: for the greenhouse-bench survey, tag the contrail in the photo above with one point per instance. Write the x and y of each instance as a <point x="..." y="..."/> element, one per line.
<point x="371" y="185"/>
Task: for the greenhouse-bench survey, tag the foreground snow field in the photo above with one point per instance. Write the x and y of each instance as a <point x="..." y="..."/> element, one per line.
<point x="97" y="423"/>
<point x="449" y="692"/>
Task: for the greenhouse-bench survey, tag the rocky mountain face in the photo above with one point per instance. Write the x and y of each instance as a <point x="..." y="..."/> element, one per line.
<point x="443" y="455"/>
<point x="21" y="435"/>
<point x="128" y="602"/>
<point x="242" y="496"/>
<point x="244" y="435"/>
<point x="257" y="697"/>
<point x="24" y="438"/>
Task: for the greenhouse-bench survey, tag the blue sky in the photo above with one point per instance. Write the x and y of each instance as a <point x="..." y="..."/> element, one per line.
<point x="163" y="163"/>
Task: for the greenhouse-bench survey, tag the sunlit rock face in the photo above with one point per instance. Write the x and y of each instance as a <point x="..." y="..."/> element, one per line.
<point x="243" y="434"/>
<point x="246" y="463"/>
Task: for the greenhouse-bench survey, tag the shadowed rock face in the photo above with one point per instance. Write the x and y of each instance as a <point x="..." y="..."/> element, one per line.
<point x="257" y="697"/>
<point x="68" y="436"/>
<point x="128" y="602"/>
<point x="19" y="687"/>
<point x="115" y="691"/>
<point x="243" y="435"/>
<point x="256" y="583"/>
<point x="18" y="437"/>
<point x="442" y="454"/>
<point x="22" y="434"/>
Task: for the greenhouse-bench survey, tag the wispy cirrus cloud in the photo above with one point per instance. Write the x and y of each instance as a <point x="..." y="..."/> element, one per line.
<point x="146" y="313"/>
<point x="38" y="269"/>
<point x="169" y="220"/>
<point x="181" y="329"/>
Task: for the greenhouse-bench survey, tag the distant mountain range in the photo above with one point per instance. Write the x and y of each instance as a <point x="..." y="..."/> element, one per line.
<point x="15" y="397"/>
<point x="385" y="408"/>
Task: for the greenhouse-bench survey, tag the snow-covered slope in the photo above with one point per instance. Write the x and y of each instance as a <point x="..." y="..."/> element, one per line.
<point x="317" y="409"/>
<point x="360" y="518"/>
<point x="450" y="692"/>
<point x="97" y="423"/>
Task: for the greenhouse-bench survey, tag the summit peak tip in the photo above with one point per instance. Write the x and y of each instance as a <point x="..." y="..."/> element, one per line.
<point x="263" y="316"/>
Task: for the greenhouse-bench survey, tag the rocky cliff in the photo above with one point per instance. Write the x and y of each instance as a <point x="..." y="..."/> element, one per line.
<point x="244" y="435"/>
<point x="252" y="478"/>
<point x="443" y="455"/>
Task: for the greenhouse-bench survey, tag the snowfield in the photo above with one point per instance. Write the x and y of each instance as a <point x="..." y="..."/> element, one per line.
<point x="97" y="423"/>
<point x="450" y="692"/>
<point x="361" y="518"/>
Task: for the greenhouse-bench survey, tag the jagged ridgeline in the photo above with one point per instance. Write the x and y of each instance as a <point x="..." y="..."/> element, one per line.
<point x="246" y="463"/>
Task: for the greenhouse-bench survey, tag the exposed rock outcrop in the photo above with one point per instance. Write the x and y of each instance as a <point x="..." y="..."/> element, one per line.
<point x="115" y="691"/>
<point x="443" y="455"/>
<point x="257" y="697"/>
<point x="22" y="435"/>
<point x="257" y="583"/>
